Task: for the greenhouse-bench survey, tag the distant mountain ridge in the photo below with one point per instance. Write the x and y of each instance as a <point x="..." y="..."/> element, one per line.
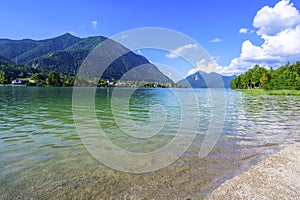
<point x="206" y="80"/>
<point x="28" y="49"/>
<point x="65" y="54"/>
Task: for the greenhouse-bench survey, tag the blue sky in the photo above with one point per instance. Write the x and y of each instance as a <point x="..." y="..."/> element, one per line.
<point x="222" y="28"/>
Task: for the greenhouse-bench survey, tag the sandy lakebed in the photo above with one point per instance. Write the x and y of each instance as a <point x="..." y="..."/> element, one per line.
<point x="277" y="177"/>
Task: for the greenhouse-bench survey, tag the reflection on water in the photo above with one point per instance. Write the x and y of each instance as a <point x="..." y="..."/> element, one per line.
<point x="42" y="157"/>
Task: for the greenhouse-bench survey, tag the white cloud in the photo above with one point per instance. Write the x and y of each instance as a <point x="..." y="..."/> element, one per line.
<point x="275" y="51"/>
<point x="192" y="71"/>
<point x="237" y="66"/>
<point x="215" y="40"/>
<point x="94" y="24"/>
<point x="72" y="33"/>
<point x="271" y="21"/>
<point x="245" y="31"/>
<point x="139" y="52"/>
<point x="280" y="48"/>
<point x="180" y="51"/>
<point x="204" y="65"/>
<point x="279" y="28"/>
<point x="212" y="65"/>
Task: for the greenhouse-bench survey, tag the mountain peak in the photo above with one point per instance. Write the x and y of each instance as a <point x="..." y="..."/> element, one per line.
<point x="205" y="80"/>
<point x="67" y="35"/>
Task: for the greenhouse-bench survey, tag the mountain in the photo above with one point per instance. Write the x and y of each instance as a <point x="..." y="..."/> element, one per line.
<point x="205" y="80"/>
<point x="65" y="54"/>
<point x="66" y="62"/>
<point x="4" y="60"/>
<point x="25" y="50"/>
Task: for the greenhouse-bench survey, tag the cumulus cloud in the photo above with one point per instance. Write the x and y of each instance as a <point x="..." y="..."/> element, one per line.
<point x="280" y="48"/>
<point x="192" y="71"/>
<point x="279" y="28"/>
<point x="215" y="40"/>
<point x="245" y="31"/>
<point x="237" y="66"/>
<point x="182" y="50"/>
<point x="271" y="21"/>
<point x="94" y="24"/>
<point x="212" y="65"/>
<point x="205" y="65"/>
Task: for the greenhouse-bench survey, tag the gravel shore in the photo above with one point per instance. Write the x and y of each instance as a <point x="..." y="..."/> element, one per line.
<point x="277" y="177"/>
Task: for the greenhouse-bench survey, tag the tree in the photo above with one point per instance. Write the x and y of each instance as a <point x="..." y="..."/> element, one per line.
<point x="38" y="76"/>
<point x="286" y="77"/>
<point x="258" y="73"/>
<point x="235" y="83"/>
<point x="264" y="79"/>
<point x="53" y="79"/>
<point x="102" y="83"/>
<point x="2" y="77"/>
<point x="296" y="68"/>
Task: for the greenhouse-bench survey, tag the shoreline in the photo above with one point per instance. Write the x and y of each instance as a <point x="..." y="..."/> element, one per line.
<point x="276" y="177"/>
<point x="270" y="92"/>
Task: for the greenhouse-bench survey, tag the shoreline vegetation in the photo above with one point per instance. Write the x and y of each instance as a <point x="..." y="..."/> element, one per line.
<point x="286" y="77"/>
<point x="128" y="84"/>
<point x="102" y="83"/>
<point x="259" y="81"/>
<point x="270" y="92"/>
<point x="19" y="75"/>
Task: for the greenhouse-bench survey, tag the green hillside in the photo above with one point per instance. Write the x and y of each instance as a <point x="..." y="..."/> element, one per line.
<point x="66" y="62"/>
<point x="4" y="60"/>
<point x="64" y="55"/>
<point x="25" y="50"/>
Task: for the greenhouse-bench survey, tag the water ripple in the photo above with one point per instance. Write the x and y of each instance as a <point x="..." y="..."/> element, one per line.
<point x="37" y="132"/>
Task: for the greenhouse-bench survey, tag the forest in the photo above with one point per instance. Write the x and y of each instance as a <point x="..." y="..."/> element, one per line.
<point x="286" y="77"/>
<point x="10" y="72"/>
<point x="36" y="77"/>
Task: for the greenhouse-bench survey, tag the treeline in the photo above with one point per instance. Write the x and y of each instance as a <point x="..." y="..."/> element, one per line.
<point x="286" y="77"/>
<point x="35" y="77"/>
<point x="10" y="72"/>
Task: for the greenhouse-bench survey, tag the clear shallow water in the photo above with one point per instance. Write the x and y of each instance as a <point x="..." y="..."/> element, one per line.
<point x="42" y="156"/>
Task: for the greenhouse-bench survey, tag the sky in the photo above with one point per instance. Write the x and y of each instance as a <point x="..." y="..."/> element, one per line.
<point x="236" y="34"/>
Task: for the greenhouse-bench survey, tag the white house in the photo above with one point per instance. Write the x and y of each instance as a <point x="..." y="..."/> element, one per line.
<point x="16" y="81"/>
<point x="20" y="81"/>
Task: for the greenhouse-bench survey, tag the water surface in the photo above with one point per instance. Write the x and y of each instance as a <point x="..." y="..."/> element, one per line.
<point x="42" y="156"/>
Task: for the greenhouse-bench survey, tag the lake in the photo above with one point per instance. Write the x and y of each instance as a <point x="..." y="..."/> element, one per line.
<point x="44" y="156"/>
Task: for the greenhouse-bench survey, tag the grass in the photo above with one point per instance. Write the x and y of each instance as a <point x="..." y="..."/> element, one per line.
<point x="271" y="92"/>
<point x="24" y="79"/>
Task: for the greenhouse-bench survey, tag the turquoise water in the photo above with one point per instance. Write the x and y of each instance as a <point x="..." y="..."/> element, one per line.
<point x="42" y="156"/>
